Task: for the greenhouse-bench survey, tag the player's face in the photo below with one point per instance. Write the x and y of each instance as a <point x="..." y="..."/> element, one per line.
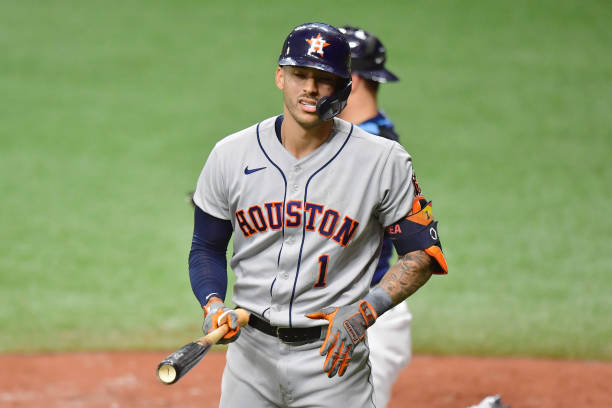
<point x="302" y="88"/>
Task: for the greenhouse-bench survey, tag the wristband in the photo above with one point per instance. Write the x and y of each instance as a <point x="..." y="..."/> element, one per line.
<point x="379" y="299"/>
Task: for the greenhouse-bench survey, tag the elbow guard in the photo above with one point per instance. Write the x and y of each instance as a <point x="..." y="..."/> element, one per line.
<point x="418" y="231"/>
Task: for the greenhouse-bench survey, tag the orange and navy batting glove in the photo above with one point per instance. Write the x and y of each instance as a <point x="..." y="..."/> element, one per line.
<point x="216" y="314"/>
<point x="346" y="329"/>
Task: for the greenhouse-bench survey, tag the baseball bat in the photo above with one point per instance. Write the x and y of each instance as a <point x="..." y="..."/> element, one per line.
<point x="177" y="364"/>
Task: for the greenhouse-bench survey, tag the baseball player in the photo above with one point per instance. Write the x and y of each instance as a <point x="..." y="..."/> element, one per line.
<point x="389" y="339"/>
<point x="308" y="198"/>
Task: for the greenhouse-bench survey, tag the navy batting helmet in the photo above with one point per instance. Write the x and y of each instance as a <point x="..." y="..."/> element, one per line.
<point x="368" y="55"/>
<point x="323" y="47"/>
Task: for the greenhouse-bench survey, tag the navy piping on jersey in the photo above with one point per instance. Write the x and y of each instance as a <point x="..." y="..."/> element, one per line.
<point x="277" y="127"/>
<point x="297" y="272"/>
<point x="284" y="197"/>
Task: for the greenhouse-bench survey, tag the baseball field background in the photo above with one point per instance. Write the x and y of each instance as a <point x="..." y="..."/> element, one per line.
<point x="109" y="109"/>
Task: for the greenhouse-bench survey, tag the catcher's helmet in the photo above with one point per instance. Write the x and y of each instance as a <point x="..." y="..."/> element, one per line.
<point x="368" y="55"/>
<point x="323" y="47"/>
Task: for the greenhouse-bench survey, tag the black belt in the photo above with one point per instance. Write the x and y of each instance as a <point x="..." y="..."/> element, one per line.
<point x="286" y="334"/>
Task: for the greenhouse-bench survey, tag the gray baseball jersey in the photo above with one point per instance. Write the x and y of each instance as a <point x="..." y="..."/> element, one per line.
<point x="307" y="232"/>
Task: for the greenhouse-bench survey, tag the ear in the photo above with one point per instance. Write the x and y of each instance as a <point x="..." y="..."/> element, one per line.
<point x="357" y="81"/>
<point x="280" y="78"/>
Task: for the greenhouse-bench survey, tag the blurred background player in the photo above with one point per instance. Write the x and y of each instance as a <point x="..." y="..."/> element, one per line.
<point x="389" y="338"/>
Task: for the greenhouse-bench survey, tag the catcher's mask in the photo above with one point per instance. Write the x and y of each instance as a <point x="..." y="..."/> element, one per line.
<point x="323" y="47"/>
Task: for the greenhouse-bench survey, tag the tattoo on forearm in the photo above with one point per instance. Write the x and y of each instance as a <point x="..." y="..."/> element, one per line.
<point x="409" y="273"/>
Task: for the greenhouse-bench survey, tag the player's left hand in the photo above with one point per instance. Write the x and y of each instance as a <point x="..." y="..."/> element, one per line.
<point x="347" y="328"/>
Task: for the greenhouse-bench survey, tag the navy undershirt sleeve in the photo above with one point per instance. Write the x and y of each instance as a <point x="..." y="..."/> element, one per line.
<point x="207" y="258"/>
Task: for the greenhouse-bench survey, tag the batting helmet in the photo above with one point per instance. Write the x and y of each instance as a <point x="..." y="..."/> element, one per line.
<point x="323" y="47"/>
<point x="368" y="55"/>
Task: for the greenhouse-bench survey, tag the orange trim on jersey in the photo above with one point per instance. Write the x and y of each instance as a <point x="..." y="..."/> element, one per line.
<point x="346" y="231"/>
<point x="328" y="232"/>
<point x="246" y="228"/>
<point x="415" y="183"/>
<point x="436" y="253"/>
<point x="322" y="275"/>
<point x="312" y="209"/>
<point x="274" y="212"/>
<point x="262" y="226"/>
<point x="296" y="216"/>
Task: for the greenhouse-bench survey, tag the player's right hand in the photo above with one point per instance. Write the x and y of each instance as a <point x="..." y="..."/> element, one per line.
<point x="216" y="314"/>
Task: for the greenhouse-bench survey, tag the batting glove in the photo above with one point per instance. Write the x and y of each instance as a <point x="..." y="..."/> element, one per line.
<point x="347" y="328"/>
<point x="216" y="314"/>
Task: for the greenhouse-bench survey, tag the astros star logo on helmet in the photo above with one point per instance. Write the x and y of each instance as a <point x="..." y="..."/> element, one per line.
<point x="317" y="44"/>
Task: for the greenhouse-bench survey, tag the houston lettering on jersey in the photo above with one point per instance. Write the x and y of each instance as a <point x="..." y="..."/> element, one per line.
<point x="314" y="217"/>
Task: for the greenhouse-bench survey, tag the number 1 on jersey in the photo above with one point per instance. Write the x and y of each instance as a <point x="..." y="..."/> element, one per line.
<point x="323" y="261"/>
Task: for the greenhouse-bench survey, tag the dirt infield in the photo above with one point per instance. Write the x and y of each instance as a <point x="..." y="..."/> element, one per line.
<point x="127" y="380"/>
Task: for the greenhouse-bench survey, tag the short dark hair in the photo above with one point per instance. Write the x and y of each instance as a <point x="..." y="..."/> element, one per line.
<point x="372" y="85"/>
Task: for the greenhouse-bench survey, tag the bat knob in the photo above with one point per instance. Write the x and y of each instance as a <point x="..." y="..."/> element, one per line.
<point x="166" y="373"/>
<point x="177" y="364"/>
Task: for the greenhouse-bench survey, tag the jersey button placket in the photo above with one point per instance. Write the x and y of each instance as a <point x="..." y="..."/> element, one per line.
<point x="295" y="185"/>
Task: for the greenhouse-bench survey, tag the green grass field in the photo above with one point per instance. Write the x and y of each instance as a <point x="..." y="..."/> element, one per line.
<point x="109" y="110"/>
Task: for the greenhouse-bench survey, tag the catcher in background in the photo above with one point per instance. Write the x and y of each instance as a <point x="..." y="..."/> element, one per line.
<point x="389" y="339"/>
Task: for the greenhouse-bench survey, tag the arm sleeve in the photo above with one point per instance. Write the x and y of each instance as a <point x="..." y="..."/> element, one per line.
<point x="207" y="258"/>
<point x="396" y="186"/>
